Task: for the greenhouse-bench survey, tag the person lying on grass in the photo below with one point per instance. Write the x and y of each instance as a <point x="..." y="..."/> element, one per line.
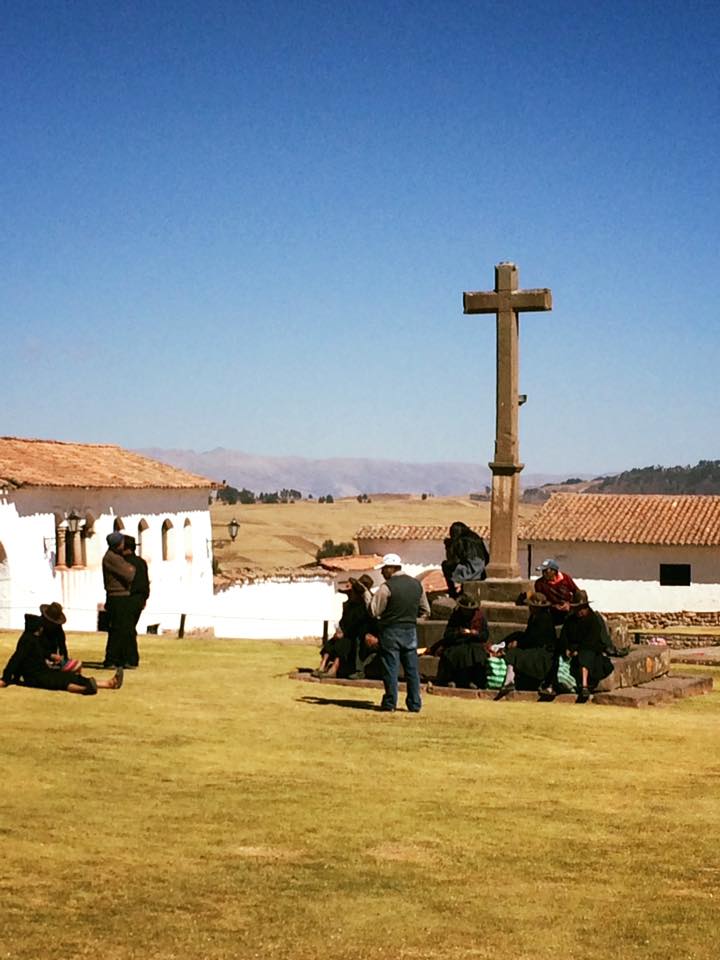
<point x="32" y="665"/>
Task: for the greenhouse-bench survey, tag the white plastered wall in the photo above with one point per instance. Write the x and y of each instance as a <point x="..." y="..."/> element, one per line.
<point x="625" y="577"/>
<point x="180" y="584"/>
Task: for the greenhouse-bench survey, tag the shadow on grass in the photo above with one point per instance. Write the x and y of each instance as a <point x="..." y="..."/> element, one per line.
<point x="335" y="702"/>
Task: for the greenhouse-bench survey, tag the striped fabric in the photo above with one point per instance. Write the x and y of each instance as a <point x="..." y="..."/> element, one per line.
<point x="496" y="670"/>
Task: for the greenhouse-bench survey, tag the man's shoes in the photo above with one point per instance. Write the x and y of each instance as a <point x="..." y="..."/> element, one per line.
<point x="583" y="696"/>
<point x="384" y="709"/>
<point x="504" y="690"/>
<point x="546" y="692"/>
<point x="452" y="685"/>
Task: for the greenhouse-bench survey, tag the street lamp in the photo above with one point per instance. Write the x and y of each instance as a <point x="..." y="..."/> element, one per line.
<point x="73" y="522"/>
<point x="233" y="528"/>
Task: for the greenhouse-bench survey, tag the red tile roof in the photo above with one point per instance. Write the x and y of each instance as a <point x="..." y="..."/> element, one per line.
<point x="358" y="562"/>
<point x="405" y="531"/>
<point x="50" y="463"/>
<point x="628" y="518"/>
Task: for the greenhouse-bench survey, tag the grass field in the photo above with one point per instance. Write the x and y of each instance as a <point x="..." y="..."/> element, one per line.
<point x="288" y="535"/>
<point x="214" y="808"/>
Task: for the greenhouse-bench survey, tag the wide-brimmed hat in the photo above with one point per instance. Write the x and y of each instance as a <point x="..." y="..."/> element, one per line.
<point x="53" y="612"/>
<point x="580" y="599"/>
<point x="465" y="601"/>
<point x="548" y="564"/>
<point x="389" y="560"/>
<point x="537" y="600"/>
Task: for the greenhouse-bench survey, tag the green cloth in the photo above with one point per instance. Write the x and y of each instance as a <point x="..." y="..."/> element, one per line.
<point x="495" y="672"/>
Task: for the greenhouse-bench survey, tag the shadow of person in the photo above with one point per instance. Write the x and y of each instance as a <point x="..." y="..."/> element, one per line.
<point x="334" y="702"/>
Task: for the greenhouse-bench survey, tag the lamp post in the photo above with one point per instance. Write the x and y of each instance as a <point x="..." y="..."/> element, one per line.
<point x="73" y="525"/>
<point x="233" y="529"/>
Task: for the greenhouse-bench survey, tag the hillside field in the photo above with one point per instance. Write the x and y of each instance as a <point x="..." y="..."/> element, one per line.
<point x="276" y="535"/>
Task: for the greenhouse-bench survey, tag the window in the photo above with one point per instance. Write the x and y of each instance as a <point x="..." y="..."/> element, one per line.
<point x="187" y="536"/>
<point x="168" y="552"/>
<point x="141" y="544"/>
<point x="675" y="575"/>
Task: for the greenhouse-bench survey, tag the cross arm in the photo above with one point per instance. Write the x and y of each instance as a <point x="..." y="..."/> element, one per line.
<point x="528" y="300"/>
<point x="480" y="302"/>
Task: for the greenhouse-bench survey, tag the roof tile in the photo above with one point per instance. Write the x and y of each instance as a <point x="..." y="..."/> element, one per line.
<point x="51" y="463"/>
<point x="629" y="518"/>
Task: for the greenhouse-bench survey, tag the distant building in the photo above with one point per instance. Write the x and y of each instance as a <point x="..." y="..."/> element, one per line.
<point x="58" y="502"/>
<point x="631" y="552"/>
<point x="635" y="552"/>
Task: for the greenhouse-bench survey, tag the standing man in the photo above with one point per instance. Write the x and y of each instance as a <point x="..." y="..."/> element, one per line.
<point x="397" y="604"/>
<point x="118" y="576"/>
<point x="139" y="593"/>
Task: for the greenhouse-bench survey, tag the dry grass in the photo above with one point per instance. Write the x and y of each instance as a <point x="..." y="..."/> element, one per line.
<point x="215" y="809"/>
<point x="287" y="535"/>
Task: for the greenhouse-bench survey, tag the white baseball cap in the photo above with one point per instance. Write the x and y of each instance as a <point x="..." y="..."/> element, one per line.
<point x="389" y="560"/>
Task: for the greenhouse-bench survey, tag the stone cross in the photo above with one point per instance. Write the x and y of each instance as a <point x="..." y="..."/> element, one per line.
<point x="506" y="301"/>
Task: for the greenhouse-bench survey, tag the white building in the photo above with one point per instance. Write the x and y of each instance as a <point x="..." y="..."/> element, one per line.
<point x="635" y="552"/>
<point x="58" y="502"/>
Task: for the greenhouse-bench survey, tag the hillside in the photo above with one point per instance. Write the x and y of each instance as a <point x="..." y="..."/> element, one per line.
<point x="703" y="478"/>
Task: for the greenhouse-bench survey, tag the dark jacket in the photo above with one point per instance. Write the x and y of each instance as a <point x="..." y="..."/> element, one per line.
<point x="28" y="660"/>
<point x="118" y="574"/>
<point x="141" y="581"/>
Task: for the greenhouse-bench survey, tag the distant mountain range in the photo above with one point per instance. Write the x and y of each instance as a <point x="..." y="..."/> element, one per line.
<point x="341" y="477"/>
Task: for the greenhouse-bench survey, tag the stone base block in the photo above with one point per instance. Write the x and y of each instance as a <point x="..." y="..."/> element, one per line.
<point x="504" y="612"/>
<point x="441" y="608"/>
<point x="642" y="696"/>
<point x="430" y="631"/>
<point x="641" y="665"/>
<point x="681" y="686"/>
<point x="497" y="591"/>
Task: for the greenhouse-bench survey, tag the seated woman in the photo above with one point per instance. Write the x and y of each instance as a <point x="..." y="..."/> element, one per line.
<point x="339" y="654"/>
<point x="466" y="557"/>
<point x="462" y="652"/>
<point x="586" y="639"/>
<point x="53" y="636"/>
<point x="32" y="666"/>
<point x="531" y="654"/>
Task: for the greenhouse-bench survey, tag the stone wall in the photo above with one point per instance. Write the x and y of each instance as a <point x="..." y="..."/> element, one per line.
<point x="686" y="618"/>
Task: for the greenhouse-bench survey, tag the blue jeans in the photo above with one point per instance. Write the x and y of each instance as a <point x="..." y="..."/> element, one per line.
<point x="398" y="643"/>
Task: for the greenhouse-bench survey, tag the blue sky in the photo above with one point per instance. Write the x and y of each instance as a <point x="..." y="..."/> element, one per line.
<point x="250" y="225"/>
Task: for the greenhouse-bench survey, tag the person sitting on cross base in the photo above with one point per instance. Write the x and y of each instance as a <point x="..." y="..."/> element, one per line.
<point x="532" y="654"/>
<point x="586" y="640"/>
<point x="466" y="557"/>
<point x="31" y="666"/>
<point x="461" y="649"/>
<point x="339" y="654"/>
<point x="558" y="587"/>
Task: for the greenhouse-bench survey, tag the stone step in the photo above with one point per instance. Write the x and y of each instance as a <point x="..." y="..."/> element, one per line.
<point x="497" y="591"/>
<point x="643" y="696"/>
<point x="498" y="631"/>
<point x="430" y="631"/>
<point x="682" y="685"/>
<point x="498" y="612"/>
